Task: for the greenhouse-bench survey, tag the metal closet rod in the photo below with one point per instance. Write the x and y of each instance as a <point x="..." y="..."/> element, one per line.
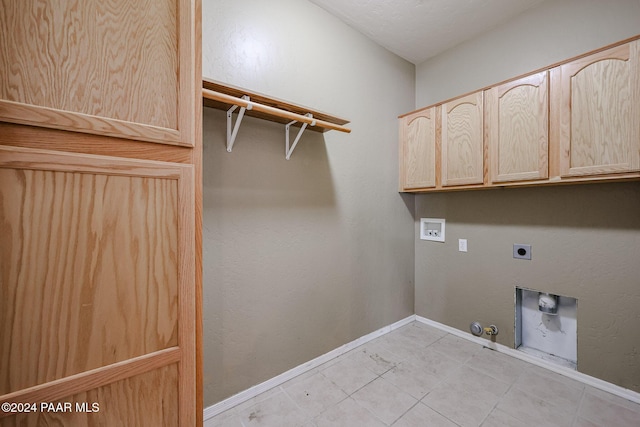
<point x="222" y="97"/>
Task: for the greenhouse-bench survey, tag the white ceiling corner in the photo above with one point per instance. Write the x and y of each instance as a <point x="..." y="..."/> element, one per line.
<point x="416" y="30"/>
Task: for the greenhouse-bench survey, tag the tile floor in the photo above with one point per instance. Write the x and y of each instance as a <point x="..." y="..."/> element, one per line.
<point x="420" y="376"/>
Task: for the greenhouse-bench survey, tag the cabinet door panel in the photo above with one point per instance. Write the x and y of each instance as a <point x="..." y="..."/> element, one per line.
<point x="462" y="141"/>
<point x="599" y="110"/>
<point x="99" y="260"/>
<point x="116" y="404"/>
<point x="418" y="136"/>
<point x="518" y="129"/>
<point x="88" y="288"/>
<point x="108" y="67"/>
<point x="96" y="274"/>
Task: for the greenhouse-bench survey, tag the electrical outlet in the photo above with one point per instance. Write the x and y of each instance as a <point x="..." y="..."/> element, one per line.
<point x="521" y="251"/>
<point x="462" y="245"/>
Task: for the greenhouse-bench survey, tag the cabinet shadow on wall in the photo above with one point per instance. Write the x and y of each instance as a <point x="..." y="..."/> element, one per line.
<point x="598" y="206"/>
<point x="256" y="173"/>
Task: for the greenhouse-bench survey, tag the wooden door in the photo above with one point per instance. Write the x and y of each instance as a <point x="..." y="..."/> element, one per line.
<point x="99" y="163"/>
<point x="597" y="100"/>
<point x="462" y="141"/>
<point x="418" y="150"/>
<point x="518" y="129"/>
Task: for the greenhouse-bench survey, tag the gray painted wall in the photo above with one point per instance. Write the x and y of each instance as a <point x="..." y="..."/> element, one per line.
<point x="305" y="255"/>
<point x="585" y="238"/>
<point x="551" y="32"/>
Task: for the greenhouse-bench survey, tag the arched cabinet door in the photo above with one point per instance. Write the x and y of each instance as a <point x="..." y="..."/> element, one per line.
<point x="518" y="129"/>
<point x="595" y="111"/>
<point x="418" y="150"/>
<point x="462" y="141"/>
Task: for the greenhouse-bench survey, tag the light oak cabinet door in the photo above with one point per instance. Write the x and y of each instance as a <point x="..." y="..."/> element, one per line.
<point x="100" y="212"/>
<point x="118" y="68"/>
<point x="596" y="110"/>
<point x="97" y="289"/>
<point x="518" y="129"/>
<point x="418" y="150"/>
<point x="462" y="141"/>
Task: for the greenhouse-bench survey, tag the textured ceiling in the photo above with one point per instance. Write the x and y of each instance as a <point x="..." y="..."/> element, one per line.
<point x="419" y="29"/>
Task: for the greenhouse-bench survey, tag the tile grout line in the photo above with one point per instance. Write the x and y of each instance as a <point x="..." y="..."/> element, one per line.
<point x="579" y="406"/>
<point x="405" y="412"/>
<point x="512" y="385"/>
<point x="435" y="410"/>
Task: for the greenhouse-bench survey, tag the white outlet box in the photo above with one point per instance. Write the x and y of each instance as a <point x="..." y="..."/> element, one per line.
<point x="432" y="229"/>
<point x="462" y="245"/>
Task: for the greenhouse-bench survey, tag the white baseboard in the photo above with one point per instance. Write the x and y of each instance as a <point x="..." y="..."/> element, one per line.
<point x="254" y="391"/>
<point x="567" y="372"/>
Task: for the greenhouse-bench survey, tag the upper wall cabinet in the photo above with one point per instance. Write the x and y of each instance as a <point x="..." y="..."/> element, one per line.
<point x="576" y="121"/>
<point x="442" y="146"/>
<point x="462" y="141"/>
<point x="596" y="114"/>
<point x="517" y="122"/>
<point x="418" y="150"/>
<point x="65" y="67"/>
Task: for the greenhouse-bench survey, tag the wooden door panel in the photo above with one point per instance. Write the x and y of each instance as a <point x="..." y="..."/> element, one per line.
<point x="93" y="244"/>
<point x="93" y="66"/>
<point x="418" y="157"/>
<point x="518" y="129"/>
<point x="599" y="131"/>
<point x="98" y="269"/>
<point x="462" y="141"/>
<point x="117" y="404"/>
<point x="96" y="272"/>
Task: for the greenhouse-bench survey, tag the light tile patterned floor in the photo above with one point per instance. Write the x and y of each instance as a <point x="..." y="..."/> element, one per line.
<point x="420" y="376"/>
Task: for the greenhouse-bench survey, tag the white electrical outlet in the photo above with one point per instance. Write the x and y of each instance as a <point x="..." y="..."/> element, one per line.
<point x="462" y="245"/>
<point x="432" y="229"/>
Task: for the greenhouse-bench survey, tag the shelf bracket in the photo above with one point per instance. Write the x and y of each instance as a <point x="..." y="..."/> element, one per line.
<point x="289" y="151"/>
<point x="231" y="134"/>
